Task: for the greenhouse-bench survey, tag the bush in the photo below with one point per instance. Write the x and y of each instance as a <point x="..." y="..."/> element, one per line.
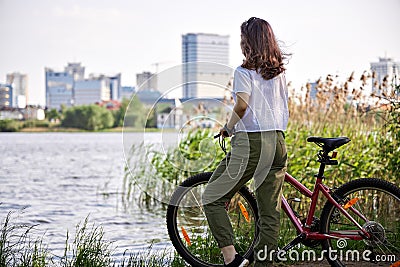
<point x="9" y="125"/>
<point x="35" y="123"/>
<point x="91" y="117"/>
<point x="53" y="114"/>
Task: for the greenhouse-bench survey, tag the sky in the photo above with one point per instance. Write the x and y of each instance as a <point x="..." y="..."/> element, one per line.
<point x="130" y="36"/>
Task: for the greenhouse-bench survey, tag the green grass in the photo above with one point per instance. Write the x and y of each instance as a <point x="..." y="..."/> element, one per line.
<point x="17" y="248"/>
<point x="21" y="247"/>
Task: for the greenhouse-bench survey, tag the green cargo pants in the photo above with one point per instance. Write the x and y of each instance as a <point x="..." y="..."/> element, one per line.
<point x="261" y="155"/>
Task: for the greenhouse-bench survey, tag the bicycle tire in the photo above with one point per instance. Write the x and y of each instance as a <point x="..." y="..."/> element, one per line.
<point x="378" y="191"/>
<point x="186" y="251"/>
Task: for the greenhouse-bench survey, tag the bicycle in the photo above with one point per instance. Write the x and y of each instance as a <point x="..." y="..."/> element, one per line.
<point x="365" y="213"/>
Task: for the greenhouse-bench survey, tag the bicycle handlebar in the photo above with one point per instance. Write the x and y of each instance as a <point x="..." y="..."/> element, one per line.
<point x="221" y="141"/>
<point x="224" y="133"/>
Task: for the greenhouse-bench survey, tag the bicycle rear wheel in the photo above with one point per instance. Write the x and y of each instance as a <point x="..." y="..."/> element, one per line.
<point x="189" y="231"/>
<point x="379" y="202"/>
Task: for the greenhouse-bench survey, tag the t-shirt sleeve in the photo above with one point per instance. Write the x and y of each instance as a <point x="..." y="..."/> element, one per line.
<point x="242" y="81"/>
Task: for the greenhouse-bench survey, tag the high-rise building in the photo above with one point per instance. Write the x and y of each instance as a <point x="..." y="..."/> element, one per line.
<point x="146" y="81"/>
<point x="59" y="89"/>
<point x="386" y="67"/>
<point x="19" y="83"/>
<point x="200" y="52"/>
<point x="76" y="70"/>
<point x="113" y="82"/>
<point x="60" y="85"/>
<point x="92" y="90"/>
<point x="115" y="86"/>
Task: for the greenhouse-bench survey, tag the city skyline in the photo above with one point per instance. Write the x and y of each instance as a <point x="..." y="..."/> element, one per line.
<point x="129" y="37"/>
<point x="70" y="87"/>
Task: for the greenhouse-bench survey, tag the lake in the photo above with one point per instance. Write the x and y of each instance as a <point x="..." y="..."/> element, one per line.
<point x="56" y="180"/>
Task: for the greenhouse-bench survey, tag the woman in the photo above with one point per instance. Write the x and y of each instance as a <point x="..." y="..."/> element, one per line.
<point x="259" y="117"/>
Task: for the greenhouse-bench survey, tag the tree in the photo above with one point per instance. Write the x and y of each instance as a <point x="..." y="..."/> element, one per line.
<point x="135" y="114"/>
<point x="120" y="113"/>
<point x="52" y="114"/>
<point x="91" y="117"/>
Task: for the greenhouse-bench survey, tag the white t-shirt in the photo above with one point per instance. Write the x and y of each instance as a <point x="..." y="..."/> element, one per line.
<point x="267" y="109"/>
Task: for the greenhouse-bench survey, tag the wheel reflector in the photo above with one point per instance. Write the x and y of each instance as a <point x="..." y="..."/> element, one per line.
<point x="244" y="211"/>
<point x="350" y="203"/>
<point x="186" y="236"/>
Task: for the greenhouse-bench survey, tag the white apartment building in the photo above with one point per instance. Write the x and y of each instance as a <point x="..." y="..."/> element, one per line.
<point x="19" y="84"/>
<point x="205" y="70"/>
<point x="386" y="67"/>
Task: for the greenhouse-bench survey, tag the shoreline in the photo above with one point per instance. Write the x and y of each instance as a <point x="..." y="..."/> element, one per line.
<point x="77" y="130"/>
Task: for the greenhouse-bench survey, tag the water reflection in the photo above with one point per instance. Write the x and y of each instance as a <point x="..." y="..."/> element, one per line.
<point x="56" y="180"/>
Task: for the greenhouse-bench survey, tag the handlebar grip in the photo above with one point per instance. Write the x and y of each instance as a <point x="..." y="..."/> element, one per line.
<point x="224" y="134"/>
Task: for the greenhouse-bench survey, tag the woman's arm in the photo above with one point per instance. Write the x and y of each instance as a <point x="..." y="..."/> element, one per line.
<point x="239" y="109"/>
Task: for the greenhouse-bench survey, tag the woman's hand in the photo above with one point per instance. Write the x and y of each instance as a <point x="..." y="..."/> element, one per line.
<point x="225" y="131"/>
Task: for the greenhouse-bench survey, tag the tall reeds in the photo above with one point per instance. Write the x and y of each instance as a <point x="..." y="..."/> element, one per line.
<point x="20" y="246"/>
<point x="365" y="110"/>
<point x="17" y="248"/>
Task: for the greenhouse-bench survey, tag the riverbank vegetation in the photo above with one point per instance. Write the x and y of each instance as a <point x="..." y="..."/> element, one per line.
<point x="372" y="122"/>
<point x="329" y="108"/>
<point x="22" y="246"/>
<point x="84" y="118"/>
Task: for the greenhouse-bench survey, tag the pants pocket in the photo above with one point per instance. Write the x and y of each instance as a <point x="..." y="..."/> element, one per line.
<point x="281" y="154"/>
<point x="283" y="148"/>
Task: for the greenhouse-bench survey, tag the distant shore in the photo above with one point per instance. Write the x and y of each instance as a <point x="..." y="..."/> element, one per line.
<point x="72" y="130"/>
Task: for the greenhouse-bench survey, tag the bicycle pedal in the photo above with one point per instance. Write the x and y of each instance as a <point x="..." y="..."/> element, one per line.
<point x="285" y="249"/>
<point x="294" y="242"/>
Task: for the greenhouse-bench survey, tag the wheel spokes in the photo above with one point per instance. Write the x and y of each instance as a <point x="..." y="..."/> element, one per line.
<point x="381" y="210"/>
<point x="196" y="235"/>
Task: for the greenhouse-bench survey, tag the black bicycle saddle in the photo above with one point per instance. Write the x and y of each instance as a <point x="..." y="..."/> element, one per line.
<point x="329" y="144"/>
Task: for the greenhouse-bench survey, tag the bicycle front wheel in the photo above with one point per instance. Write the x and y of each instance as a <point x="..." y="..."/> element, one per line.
<point x="378" y="202"/>
<point x="189" y="231"/>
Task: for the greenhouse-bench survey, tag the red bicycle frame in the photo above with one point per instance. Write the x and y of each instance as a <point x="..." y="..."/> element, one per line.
<point x="313" y="195"/>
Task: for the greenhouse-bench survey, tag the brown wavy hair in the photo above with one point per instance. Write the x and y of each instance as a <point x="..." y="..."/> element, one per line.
<point x="260" y="48"/>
